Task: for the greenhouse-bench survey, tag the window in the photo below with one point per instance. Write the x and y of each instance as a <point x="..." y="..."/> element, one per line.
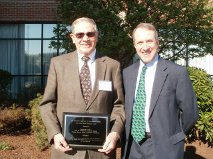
<point x="26" y="53"/>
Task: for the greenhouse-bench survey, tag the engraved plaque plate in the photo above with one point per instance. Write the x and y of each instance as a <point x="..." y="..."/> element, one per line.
<point x="85" y="131"/>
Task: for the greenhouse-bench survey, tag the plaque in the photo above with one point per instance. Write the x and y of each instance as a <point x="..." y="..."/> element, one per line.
<point x="85" y="131"/>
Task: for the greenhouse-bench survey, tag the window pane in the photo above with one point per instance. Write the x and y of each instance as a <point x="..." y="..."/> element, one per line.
<point x="48" y="49"/>
<point x="20" y="31"/>
<point x="21" y="57"/>
<point x="48" y="30"/>
<point x="12" y="31"/>
<point x="25" y="86"/>
<point x="33" y="57"/>
<point x="48" y="54"/>
<point x="33" y="47"/>
<point x="32" y="30"/>
<point x="12" y="56"/>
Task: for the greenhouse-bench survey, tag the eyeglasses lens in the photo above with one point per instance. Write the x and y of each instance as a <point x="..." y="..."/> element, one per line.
<point x="81" y="35"/>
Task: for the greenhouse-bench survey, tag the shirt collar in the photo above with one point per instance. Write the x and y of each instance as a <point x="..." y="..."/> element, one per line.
<point x="152" y="63"/>
<point x="91" y="56"/>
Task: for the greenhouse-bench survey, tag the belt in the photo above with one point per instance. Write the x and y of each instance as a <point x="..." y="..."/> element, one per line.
<point x="147" y="135"/>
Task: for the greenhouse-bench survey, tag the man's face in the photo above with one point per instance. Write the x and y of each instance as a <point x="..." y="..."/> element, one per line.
<point x="146" y="44"/>
<point x="84" y="37"/>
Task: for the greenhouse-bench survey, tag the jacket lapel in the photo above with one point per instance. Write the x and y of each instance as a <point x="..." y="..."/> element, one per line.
<point x="133" y="73"/>
<point x="100" y="75"/>
<point x="72" y="72"/>
<point x="160" y="78"/>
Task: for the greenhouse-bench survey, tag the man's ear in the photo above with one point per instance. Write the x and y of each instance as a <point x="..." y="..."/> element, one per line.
<point x="97" y="36"/>
<point x="72" y="37"/>
<point x="158" y="42"/>
<point x="134" y="44"/>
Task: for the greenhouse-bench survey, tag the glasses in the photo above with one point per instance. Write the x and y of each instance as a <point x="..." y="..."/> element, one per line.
<point x="81" y="35"/>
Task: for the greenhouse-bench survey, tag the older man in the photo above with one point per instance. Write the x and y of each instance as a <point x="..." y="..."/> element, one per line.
<point x="67" y="90"/>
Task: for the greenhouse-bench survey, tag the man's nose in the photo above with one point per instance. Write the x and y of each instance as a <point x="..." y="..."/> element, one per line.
<point x="146" y="46"/>
<point x="85" y="37"/>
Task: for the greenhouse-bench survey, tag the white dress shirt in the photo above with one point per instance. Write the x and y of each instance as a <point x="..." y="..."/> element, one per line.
<point x="91" y="64"/>
<point x="149" y="80"/>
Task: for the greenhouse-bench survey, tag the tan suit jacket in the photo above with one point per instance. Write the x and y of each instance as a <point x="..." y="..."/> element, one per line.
<point x="63" y="94"/>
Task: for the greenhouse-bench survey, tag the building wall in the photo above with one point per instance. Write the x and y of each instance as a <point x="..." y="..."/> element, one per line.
<point x="28" y="10"/>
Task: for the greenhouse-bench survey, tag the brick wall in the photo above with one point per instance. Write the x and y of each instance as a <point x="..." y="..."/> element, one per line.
<point x="28" y="10"/>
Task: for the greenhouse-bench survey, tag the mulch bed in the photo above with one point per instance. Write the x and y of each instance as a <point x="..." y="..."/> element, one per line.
<point x="25" y="148"/>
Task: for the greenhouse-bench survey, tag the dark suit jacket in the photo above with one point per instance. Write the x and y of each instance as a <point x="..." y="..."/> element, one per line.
<point x="173" y="108"/>
<point x="63" y="94"/>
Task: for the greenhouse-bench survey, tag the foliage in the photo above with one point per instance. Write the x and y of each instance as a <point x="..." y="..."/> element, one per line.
<point x="205" y="125"/>
<point x="13" y="119"/>
<point x="5" y="81"/>
<point x="113" y="40"/>
<point x="203" y="86"/>
<point x="185" y="27"/>
<point x="5" y="146"/>
<point x="37" y="125"/>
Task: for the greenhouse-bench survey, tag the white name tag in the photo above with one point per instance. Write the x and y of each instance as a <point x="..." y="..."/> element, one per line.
<point x="105" y="85"/>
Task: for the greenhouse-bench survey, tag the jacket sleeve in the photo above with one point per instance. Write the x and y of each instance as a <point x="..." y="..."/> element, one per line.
<point x="118" y="114"/>
<point x="48" y="104"/>
<point x="187" y="101"/>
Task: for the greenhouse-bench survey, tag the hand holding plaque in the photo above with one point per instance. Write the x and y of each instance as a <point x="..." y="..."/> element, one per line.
<point x="110" y="143"/>
<point x="60" y="143"/>
<point x="85" y="131"/>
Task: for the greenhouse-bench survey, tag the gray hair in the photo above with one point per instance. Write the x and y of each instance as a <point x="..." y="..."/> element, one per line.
<point x="83" y="19"/>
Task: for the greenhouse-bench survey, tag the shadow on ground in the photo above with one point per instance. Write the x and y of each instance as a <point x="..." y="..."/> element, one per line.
<point x="190" y="153"/>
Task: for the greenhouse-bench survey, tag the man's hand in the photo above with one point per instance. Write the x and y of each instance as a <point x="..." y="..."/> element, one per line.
<point x="110" y="143"/>
<point x="60" y="143"/>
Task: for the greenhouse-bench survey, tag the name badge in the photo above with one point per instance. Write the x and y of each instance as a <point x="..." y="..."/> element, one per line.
<point x="105" y="85"/>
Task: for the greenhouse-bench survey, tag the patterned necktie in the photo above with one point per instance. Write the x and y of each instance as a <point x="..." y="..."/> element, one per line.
<point x="138" y="121"/>
<point x="85" y="80"/>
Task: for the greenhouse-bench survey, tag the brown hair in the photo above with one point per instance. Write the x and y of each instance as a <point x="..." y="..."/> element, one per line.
<point x="147" y="26"/>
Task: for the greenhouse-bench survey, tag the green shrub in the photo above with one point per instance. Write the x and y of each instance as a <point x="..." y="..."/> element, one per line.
<point x="13" y="119"/>
<point x="203" y="86"/>
<point x="5" y="146"/>
<point x="37" y="125"/>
